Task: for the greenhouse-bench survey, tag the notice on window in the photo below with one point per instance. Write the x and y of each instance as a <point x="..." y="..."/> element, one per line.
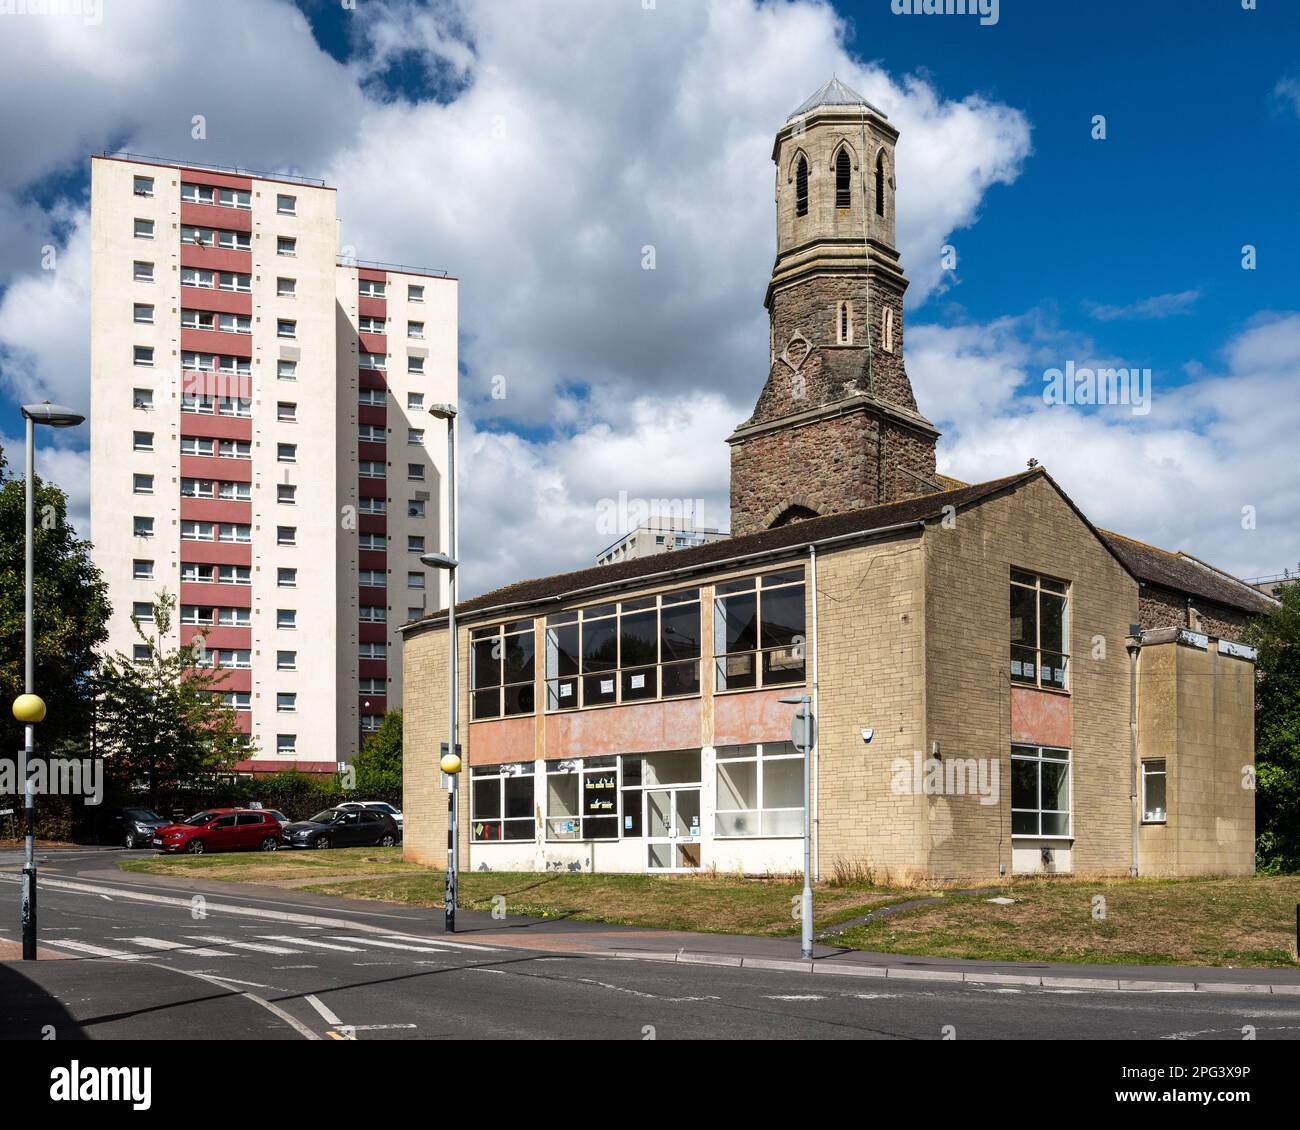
<point x="606" y="686"/>
<point x="638" y="682"/>
<point x="1015" y="666"/>
<point x="599" y="794"/>
<point x="566" y="690"/>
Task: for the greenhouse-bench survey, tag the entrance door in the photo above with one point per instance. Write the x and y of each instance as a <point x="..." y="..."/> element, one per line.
<point x="672" y="825"/>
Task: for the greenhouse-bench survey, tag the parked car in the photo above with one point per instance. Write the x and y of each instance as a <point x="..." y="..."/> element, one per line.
<point x="132" y="826"/>
<point x="220" y="829"/>
<point x="343" y="827"/>
<point x="377" y="806"/>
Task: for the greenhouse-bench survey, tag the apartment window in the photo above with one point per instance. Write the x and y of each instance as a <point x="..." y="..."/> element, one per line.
<point x="197" y="531"/>
<point x="415" y="330"/>
<point x="371" y="397"/>
<point x="197" y="445"/>
<point x="287" y="370"/>
<point x="501" y="669"/>
<point x="415" y="472"/>
<point x="415" y="580"/>
<point x="286" y="493"/>
<point x="234" y="617"/>
<point x="142" y="569"/>
<point x="239" y="407"/>
<point x="376" y="362"/>
<point x="235" y="324"/>
<point x="142" y="272"/>
<point x="286" y="327"/>
<point x="415" y="365"/>
<point x="287" y="411"/>
<point x="371" y="433"/>
<point x="370" y="288"/>
<point x="237" y="533"/>
<point x="142" y="610"/>
<point x="414" y="613"/>
<point x="372" y="542"/>
<point x="758" y="630"/>
<point x="142" y="186"/>
<point x="415" y="508"/>
<point x="759" y="790"/>
<point x="140" y="653"/>
<point x="241" y="701"/>
<point x="198" y="320"/>
<point x="234" y="449"/>
<point x="142" y="355"/>
<point x="372" y="614"/>
<point x="370" y="469"/>
<point x="193" y="276"/>
<point x="1154" y="792"/>
<point x="286" y="245"/>
<point x="235" y="658"/>
<point x="372" y="506"/>
<point x="286" y="661"/>
<point x="286" y="535"/>
<point x="142" y="313"/>
<point x="197" y="193"/>
<point x="286" y="578"/>
<point x="502" y="804"/>
<point x="196" y="614"/>
<point x="142" y="484"/>
<point x="1040" y="631"/>
<point x="286" y="744"/>
<point x="234" y="491"/>
<point x="286" y="702"/>
<point x="640" y="649"/>
<point x="142" y="398"/>
<point x="286" y="205"/>
<point x="415" y="402"/>
<point x="235" y="282"/>
<point x="234" y="198"/>
<point x="1040" y="791"/>
<point x="415" y="294"/>
<point x="286" y="453"/>
<point x="372" y="651"/>
<point x="193" y="572"/>
<point x="415" y="437"/>
<point x="415" y="543"/>
<point x="371" y="325"/>
<point x="142" y="441"/>
<point x="286" y="288"/>
<point x="144" y="229"/>
<point x="286" y="618"/>
<point x="372" y="578"/>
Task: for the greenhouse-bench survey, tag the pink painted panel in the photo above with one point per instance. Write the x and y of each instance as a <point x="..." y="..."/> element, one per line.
<point x="637" y="728"/>
<point x="757" y="716"/>
<point x="1040" y="717"/>
<point x="500" y="740"/>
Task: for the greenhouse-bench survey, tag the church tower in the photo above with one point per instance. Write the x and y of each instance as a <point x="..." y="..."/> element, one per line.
<point x="836" y="426"/>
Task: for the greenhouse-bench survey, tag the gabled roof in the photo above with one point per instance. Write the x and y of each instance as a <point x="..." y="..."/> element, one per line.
<point x="834" y="93"/>
<point x="1187" y="574"/>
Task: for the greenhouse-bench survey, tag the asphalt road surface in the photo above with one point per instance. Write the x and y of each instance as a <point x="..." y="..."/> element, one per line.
<point x="228" y="967"/>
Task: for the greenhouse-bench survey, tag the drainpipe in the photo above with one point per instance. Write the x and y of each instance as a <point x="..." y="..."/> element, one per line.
<point x="816" y="712"/>
<point x="1134" y="645"/>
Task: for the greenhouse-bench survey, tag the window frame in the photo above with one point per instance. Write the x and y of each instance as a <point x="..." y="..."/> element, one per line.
<point x="1043" y="585"/>
<point x="759" y="758"/>
<point x="495" y="636"/>
<point x="1162" y="772"/>
<point x="762" y="677"/>
<point x="1036" y="755"/>
<point x="480" y="823"/>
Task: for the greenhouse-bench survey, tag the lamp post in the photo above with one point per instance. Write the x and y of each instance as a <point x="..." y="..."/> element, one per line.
<point x="28" y="707"/>
<point x="450" y="763"/>
<point x="802" y="732"/>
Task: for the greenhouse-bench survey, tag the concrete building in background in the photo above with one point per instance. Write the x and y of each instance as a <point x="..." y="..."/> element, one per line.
<point x="658" y="535"/>
<point x="1000" y="686"/>
<point x="260" y="443"/>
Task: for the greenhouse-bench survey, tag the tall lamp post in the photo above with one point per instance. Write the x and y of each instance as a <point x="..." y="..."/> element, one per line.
<point x="803" y="730"/>
<point x="28" y="707"/>
<point x="450" y="762"/>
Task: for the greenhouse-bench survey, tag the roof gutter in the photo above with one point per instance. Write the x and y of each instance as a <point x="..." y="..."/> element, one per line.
<point x="792" y="550"/>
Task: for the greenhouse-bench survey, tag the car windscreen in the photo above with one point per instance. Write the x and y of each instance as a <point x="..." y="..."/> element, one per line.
<point x="199" y="818"/>
<point x="327" y="817"/>
<point x="141" y="814"/>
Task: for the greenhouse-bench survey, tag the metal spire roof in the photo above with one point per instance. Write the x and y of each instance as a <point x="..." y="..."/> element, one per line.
<point x="833" y="93"/>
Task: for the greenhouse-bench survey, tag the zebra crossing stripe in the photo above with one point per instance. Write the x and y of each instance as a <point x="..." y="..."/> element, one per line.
<point x="308" y="942"/>
<point x="257" y="947"/>
<point x="96" y="951"/>
<point x="162" y="944"/>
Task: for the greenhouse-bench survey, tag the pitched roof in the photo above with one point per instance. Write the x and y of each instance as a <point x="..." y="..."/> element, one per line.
<point x="1187" y="574"/>
<point x="795" y="535"/>
<point x="833" y="93"/>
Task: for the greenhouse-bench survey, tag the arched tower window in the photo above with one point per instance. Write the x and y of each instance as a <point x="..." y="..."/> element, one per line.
<point x="843" y="181"/>
<point x="880" y="183"/>
<point x="801" y="187"/>
<point x="844" y="324"/>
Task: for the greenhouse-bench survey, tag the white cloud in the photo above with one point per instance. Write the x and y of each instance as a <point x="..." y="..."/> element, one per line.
<point x="1157" y="306"/>
<point x="1287" y="91"/>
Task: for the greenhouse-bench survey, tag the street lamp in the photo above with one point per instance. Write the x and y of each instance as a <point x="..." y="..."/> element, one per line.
<point x="450" y="763"/>
<point x="28" y="707"/>
<point x="803" y="734"/>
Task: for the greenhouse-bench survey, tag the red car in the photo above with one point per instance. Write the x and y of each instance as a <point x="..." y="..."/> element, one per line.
<point x="220" y="829"/>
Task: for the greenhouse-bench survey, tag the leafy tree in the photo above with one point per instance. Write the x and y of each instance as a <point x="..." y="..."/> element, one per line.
<point x="163" y="719"/>
<point x="378" y="765"/>
<point x="71" y="613"/>
<point x="1277" y="734"/>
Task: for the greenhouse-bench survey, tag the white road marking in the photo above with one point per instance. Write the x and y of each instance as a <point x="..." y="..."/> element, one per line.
<point x="95" y="951"/>
<point x="377" y="1027"/>
<point x="257" y="947"/>
<point x="441" y="942"/>
<point x="163" y="944"/>
<point x="229" y="980"/>
<point x="797" y="997"/>
<point x="326" y="1013"/>
<point x="389" y="945"/>
<point x="308" y="942"/>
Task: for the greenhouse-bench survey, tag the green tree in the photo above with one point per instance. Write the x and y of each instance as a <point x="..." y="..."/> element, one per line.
<point x="1277" y="734"/>
<point x="378" y="765"/>
<point x="163" y="721"/>
<point x="71" y="613"/>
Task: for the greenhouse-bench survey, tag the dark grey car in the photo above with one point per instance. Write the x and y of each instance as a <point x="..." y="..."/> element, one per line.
<point x="342" y="827"/>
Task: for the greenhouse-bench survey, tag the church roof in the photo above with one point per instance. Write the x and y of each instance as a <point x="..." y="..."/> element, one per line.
<point x="1187" y="574"/>
<point x="834" y="93"/>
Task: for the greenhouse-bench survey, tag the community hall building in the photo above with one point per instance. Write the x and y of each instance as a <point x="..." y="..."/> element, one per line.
<point x="1000" y="687"/>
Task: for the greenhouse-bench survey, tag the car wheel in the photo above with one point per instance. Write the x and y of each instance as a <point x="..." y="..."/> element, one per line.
<point x="270" y="844"/>
<point x="196" y="847"/>
<point x="321" y="842"/>
<point x="129" y="842"/>
<point x="387" y="840"/>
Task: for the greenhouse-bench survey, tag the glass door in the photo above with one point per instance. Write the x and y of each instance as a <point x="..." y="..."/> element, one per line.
<point x="672" y="827"/>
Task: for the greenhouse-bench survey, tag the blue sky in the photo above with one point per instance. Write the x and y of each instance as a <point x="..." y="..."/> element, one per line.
<point x="623" y="127"/>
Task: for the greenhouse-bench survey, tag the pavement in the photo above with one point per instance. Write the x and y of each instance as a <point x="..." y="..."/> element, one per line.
<point x="144" y="955"/>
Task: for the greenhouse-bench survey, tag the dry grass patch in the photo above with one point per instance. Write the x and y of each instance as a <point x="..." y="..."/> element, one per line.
<point x="271" y="866"/>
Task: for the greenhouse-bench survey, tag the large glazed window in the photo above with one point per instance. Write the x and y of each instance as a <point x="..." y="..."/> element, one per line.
<point x="501" y="802"/>
<point x="1040" y="791"/>
<point x="501" y="670"/>
<point x="1154" y="792"/>
<point x="758" y="631"/>
<point x="1040" y="631"/>
<point x="760" y="790"/>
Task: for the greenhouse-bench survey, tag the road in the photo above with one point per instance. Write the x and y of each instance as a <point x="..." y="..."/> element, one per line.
<point x="143" y="960"/>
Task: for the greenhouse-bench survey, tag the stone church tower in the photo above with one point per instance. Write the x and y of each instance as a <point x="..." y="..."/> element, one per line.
<point x="836" y="426"/>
